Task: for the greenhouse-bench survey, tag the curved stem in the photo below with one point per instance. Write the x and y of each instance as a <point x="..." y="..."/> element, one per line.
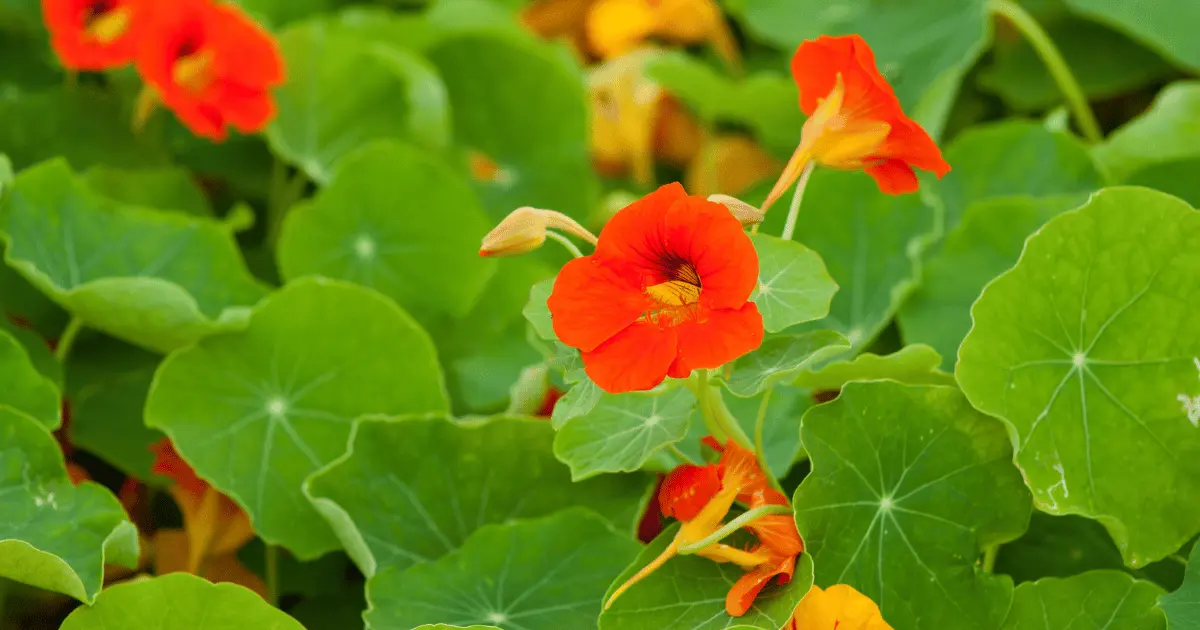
<point x="273" y="574"/>
<point x="653" y="566"/>
<point x="703" y="394"/>
<point x="789" y="227"/>
<point x="680" y="455"/>
<point x="760" y="453"/>
<point x="989" y="558"/>
<point x="733" y="526"/>
<point x="565" y="242"/>
<point x="67" y="339"/>
<point x="1045" y="48"/>
<point x="717" y="417"/>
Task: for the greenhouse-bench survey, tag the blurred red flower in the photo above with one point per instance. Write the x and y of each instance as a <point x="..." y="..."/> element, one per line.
<point x="211" y="64"/>
<point x="666" y="292"/>
<point x="93" y="34"/>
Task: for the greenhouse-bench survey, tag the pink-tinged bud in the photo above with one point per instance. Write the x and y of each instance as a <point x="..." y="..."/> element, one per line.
<point x="745" y="213"/>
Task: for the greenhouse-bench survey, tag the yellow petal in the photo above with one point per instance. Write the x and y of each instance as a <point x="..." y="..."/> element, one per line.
<point x="624" y="106"/>
<point x="615" y="27"/>
<point x="839" y="606"/>
<point x="730" y="164"/>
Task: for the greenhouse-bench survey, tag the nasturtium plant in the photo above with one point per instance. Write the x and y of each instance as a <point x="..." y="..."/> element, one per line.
<point x="32" y="393"/>
<point x="1182" y="606"/>
<point x="1086" y="600"/>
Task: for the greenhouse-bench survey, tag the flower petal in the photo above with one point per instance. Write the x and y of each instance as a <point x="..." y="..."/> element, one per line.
<point x="817" y="63"/>
<point x="722" y="336"/>
<point x="624" y="237"/>
<point x="741" y="595"/>
<point x="687" y="489"/>
<point x="707" y="235"/>
<point x="591" y="302"/>
<point x="894" y="177"/>
<point x="635" y="359"/>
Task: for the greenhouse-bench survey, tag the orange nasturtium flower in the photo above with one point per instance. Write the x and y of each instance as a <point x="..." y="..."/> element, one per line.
<point x="615" y="27"/>
<point x="838" y="607"/>
<point x="855" y="120"/>
<point x="665" y="293"/>
<point x="214" y="527"/>
<point x="93" y="34"/>
<point x="211" y="64"/>
<point x="700" y="497"/>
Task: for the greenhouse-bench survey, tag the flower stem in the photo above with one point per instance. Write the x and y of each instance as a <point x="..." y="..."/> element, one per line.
<point x="789" y="227"/>
<point x="284" y="193"/>
<point x="565" y="242"/>
<point x="733" y="526"/>
<point x="989" y="558"/>
<point x="760" y="453"/>
<point x="717" y="417"/>
<point x="67" y="339"/>
<point x="273" y="575"/>
<point x="1045" y="48"/>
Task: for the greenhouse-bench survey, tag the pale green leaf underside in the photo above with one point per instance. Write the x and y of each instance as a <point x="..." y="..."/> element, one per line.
<point x="916" y="364"/>
<point x="793" y="285"/>
<point x="781" y="358"/>
<point x="1087" y="350"/>
<point x="1096" y="600"/>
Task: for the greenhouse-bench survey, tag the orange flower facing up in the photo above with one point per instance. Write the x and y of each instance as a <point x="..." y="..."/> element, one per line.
<point x="211" y="64"/>
<point x="700" y="497"/>
<point x="855" y="120"/>
<point x="838" y="607"/>
<point x="93" y="34"/>
<point x="665" y="293"/>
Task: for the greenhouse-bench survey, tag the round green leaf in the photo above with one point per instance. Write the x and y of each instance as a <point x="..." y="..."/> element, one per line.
<point x="871" y="243"/>
<point x="793" y="285"/>
<point x="1013" y="158"/>
<point x="1183" y="606"/>
<point x="169" y="188"/>
<point x="1168" y="130"/>
<point x="258" y="411"/>
<point x="518" y="103"/>
<point x="544" y="574"/>
<point x="688" y="593"/>
<point x="159" y="280"/>
<point x="578" y="401"/>
<point x="395" y="220"/>
<point x="1097" y="600"/>
<point x="412" y="490"/>
<point x="908" y="486"/>
<point x="919" y="46"/>
<point x="623" y="431"/>
<point x="986" y="243"/>
<point x="915" y="365"/>
<point x="781" y="358"/>
<point x="55" y="535"/>
<point x="537" y="312"/>
<point x="322" y="117"/>
<point x="26" y="389"/>
<point x="1164" y="25"/>
<point x="178" y="601"/>
<point x="1086" y="349"/>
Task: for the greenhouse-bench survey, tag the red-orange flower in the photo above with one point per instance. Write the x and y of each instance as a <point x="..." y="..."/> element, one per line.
<point x="855" y="120"/>
<point x="665" y="293"/>
<point x="93" y="34"/>
<point x="212" y="65"/>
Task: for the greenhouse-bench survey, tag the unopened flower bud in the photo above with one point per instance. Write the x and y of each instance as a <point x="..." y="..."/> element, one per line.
<point x="522" y="231"/>
<point x="745" y="213"/>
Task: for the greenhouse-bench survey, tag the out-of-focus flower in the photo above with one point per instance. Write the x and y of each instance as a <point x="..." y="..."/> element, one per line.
<point x="666" y="292"/>
<point x="729" y="164"/>
<point x="855" y="120"/>
<point x="93" y="34"/>
<point x="838" y="607"/>
<point x="615" y="27"/>
<point x="211" y="64"/>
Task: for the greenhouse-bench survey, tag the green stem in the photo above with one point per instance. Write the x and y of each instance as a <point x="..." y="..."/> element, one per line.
<point x="1045" y="48"/>
<point x="565" y="242"/>
<point x="702" y="392"/>
<point x="989" y="558"/>
<point x="760" y="453"/>
<point x="273" y="575"/>
<point x="789" y="227"/>
<point x="717" y="417"/>
<point x="680" y="455"/>
<point x="733" y="526"/>
<point x="285" y="192"/>
<point x="67" y="339"/>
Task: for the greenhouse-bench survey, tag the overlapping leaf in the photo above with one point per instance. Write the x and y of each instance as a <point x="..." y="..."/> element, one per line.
<point x="785" y="405"/>
<point x="159" y="280"/>
<point x="55" y="535"/>
<point x="258" y="411"/>
<point x="891" y="506"/>
<point x="915" y="365"/>
<point x="622" y="431"/>
<point x="1097" y="600"/>
<point x="793" y="284"/>
<point x="1183" y="606"/>
<point x="1162" y="25"/>
<point x="169" y="188"/>
<point x="24" y="388"/>
<point x="1169" y="130"/>
<point x="781" y="358"/>
<point x="1087" y="350"/>
<point x="412" y="490"/>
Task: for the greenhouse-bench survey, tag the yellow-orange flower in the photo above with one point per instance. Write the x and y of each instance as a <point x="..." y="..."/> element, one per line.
<point x="615" y="27"/>
<point x="729" y="164"/>
<point x="838" y="607"/>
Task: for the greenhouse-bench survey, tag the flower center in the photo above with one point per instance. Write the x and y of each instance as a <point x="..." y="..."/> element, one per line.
<point x="683" y="288"/>
<point x="193" y="69"/>
<point x="104" y="21"/>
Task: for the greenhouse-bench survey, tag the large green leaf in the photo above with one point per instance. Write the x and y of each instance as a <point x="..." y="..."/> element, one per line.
<point x="793" y="284"/>
<point x="1086" y="349"/>
<point x="543" y="574"/>
<point x="258" y="411"/>
<point x="178" y="601"/>
<point x="395" y="220"/>
<point x="987" y="242"/>
<point x="170" y="188"/>
<point x="412" y="490"/>
<point x="688" y="593"/>
<point x="623" y="431"/>
<point x="921" y="47"/>
<point x="1164" y="25"/>
<point x="26" y="389"/>
<point x="55" y="535"/>
<point x="1183" y="606"/>
<point x="908" y="486"/>
<point x="322" y="116"/>
<point x="1168" y="130"/>
<point x="518" y="103"/>
<point x="915" y="365"/>
<point x="872" y="245"/>
<point x="1097" y="600"/>
<point x="1013" y="158"/>
<point x="160" y="280"/>
<point x="1173" y="178"/>
<point x="274" y="13"/>
<point x="781" y="358"/>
